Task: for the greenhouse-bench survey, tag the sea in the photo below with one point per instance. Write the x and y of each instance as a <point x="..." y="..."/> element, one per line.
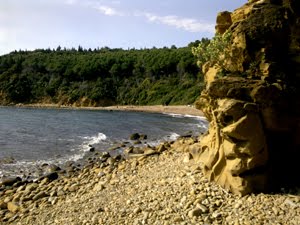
<point x="31" y="137"/>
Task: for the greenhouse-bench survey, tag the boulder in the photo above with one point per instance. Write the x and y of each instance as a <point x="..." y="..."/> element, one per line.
<point x="10" y="181"/>
<point x="50" y="176"/>
<point x="134" y="136"/>
<point x="52" y="168"/>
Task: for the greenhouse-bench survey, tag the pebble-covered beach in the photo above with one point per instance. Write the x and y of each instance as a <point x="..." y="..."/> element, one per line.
<point x="161" y="185"/>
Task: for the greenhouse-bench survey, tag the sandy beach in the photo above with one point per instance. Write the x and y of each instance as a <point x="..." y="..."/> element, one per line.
<point x="180" y="109"/>
<point x="176" y="109"/>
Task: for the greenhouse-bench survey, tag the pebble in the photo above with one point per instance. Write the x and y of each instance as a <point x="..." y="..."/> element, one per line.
<point x="203" y="208"/>
<point x="195" y="212"/>
<point x="157" y="189"/>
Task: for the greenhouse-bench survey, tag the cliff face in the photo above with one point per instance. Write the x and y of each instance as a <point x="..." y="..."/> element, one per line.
<point x="253" y="142"/>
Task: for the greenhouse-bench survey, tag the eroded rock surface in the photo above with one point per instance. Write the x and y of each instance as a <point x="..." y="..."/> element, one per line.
<point x="253" y="142"/>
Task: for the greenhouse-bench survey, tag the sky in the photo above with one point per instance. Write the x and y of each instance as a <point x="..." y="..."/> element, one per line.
<point x="32" y="24"/>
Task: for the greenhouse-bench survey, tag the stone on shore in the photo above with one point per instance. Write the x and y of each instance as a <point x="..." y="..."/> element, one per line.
<point x="13" y="207"/>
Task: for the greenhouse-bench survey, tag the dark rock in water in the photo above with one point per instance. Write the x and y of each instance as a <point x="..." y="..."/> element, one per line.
<point x="10" y="181"/>
<point x="91" y="148"/>
<point x="137" y="142"/>
<point x="69" y="163"/>
<point x="137" y="136"/>
<point x="143" y="137"/>
<point x="7" y="160"/>
<point x="186" y="135"/>
<point x="134" y="136"/>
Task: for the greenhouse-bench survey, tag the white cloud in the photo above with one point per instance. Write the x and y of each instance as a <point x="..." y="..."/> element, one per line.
<point x="187" y="24"/>
<point x="70" y="2"/>
<point x="106" y="10"/>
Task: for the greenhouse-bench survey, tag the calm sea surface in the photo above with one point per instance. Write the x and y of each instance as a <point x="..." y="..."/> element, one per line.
<point x="29" y="137"/>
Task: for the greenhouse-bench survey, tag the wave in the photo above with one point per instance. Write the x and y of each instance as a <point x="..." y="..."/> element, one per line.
<point x="174" y="136"/>
<point x="185" y="116"/>
<point x="170" y="137"/>
<point x="29" y="166"/>
<point x="93" y="140"/>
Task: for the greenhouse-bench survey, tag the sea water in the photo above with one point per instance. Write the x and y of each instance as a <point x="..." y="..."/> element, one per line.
<point x="30" y="137"/>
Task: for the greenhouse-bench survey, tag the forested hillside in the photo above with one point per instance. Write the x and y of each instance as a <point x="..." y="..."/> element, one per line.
<point x="101" y="76"/>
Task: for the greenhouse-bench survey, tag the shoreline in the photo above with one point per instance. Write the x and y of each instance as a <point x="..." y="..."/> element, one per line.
<point x="171" y="109"/>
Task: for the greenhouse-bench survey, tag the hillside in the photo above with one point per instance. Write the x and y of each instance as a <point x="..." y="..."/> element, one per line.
<point x="100" y="77"/>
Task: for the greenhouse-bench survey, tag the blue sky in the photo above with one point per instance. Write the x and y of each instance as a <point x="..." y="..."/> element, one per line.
<point x="124" y="24"/>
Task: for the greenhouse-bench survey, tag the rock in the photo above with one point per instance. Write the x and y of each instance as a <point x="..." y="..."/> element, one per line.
<point x="110" y="161"/>
<point x="203" y="208"/>
<point x="52" y="168"/>
<point x="10" y="181"/>
<point x="13" y="207"/>
<point x="195" y="212"/>
<point x="187" y="158"/>
<point x="98" y="187"/>
<point x="290" y="203"/>
<point x="3" y="205"/>
<point x="101" y="174"/>
<point x="137" y="210"/>
<point x="143" y="137"/>
<point x="137" y="142"/>
<point x="177" y="219"/>
<point x="134" y="136"/>
<point x="149" y="151"/>
<point x="40" y="195"/>
<point x="49" y="176"/>
<point x="223" y="22"/>
<point x="252" y="116"/>
<point x="7" y="160"/>
<point x="161" y="148"/>
<point x="31" y="187"/>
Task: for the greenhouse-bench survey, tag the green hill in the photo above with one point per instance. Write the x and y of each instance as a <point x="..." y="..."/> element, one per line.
<point x="100" y="77"/>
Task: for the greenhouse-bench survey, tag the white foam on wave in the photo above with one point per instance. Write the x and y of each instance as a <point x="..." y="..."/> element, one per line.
<point x="174" y="136"/>
<point x="174" y="115"/>
<point x="170" y="137"/>
<point x="185" y="116"/>
<point x="202" y="125"/>
<point x="93" y="140"/>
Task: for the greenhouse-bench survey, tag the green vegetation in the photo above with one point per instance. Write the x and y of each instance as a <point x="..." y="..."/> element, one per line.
<point x="214" y="51"/>
<point x="101" y="77"/>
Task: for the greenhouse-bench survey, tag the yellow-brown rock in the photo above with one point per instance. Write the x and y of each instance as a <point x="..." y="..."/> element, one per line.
<point x="223" y="22"/>
<point x="253" y="142"/>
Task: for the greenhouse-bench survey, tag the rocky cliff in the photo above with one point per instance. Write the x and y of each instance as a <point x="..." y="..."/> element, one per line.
<point x="253" y="142"/>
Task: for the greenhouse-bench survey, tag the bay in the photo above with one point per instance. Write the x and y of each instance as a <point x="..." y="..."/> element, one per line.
<point x="32" y="136"/>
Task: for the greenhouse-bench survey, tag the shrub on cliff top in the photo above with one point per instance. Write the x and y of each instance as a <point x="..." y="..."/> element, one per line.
<point x="215" y="52"/>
